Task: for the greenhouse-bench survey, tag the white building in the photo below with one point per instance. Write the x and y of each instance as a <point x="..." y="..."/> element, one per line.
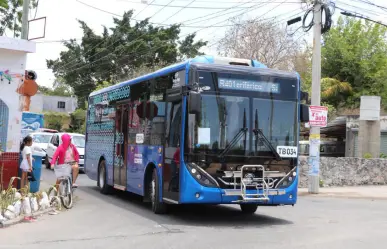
<point x="13" y="57"/>
<point x="43" y="103"/>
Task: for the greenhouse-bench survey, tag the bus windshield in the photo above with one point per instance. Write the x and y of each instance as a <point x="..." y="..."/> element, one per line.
<point x="230" y="117"/>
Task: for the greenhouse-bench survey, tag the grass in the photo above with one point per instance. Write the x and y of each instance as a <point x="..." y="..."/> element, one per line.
<point x="7" y="196"/>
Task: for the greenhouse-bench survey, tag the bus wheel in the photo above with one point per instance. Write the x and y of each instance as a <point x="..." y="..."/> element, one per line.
<point x="104" y="188"/>
<point x="249" y="208"/>
<point x="154" y="194"/>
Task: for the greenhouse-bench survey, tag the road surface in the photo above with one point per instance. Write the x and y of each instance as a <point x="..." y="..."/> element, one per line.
<point x="123" y="221"/>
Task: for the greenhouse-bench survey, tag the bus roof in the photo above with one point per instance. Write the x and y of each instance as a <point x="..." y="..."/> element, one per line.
<point x="207" y="59"/>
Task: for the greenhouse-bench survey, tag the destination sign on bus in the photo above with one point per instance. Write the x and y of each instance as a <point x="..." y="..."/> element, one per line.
<point x="248" y="85"/>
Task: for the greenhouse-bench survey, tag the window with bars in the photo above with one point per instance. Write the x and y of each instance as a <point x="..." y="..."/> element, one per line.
<point x="4" y="114"/>
<point x="61" y="105"/>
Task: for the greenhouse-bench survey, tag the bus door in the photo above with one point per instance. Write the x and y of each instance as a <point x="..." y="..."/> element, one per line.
<point x="171" y="169"/>
<point x="121" y="146"/>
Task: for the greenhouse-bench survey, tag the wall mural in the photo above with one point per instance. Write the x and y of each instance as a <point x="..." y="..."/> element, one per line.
<point x="6" y="76"/>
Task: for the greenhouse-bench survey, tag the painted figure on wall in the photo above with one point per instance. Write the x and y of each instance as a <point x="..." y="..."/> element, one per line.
<point x="27" y="89"/>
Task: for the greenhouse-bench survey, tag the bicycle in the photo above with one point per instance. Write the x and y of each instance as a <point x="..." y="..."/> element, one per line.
<point x="63" y="173"/>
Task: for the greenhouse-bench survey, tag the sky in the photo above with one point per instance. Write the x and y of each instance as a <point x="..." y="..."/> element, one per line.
<point x="62" y="15"/>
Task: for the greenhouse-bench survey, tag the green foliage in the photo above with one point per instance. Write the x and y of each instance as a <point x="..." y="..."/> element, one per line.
<point x="59" y="89"/>
<point x="118" y="53"/>
<point x="103" y="85"/>
<point x="332" y="111"/>
<point x="7" y="196"/>
<point x="334" y="92"/>
<point x="382" y="155"/>
<point x="11" y="15"/>
<point x="78" y="121"/>
<point x="55" y="120"/>
<point x="355" y="51"/>
<point x="367" y="155"/>
<point x="303" y="65"/>
<point x="321" y="183"/>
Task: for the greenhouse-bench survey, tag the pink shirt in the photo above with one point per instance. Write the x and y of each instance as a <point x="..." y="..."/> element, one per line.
<point x="69" y="156"/>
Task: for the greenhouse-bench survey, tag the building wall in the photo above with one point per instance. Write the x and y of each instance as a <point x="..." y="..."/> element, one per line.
<point x="50" y="103"/>
<point x="352" y="140"/>
<point x="12" y="66"/>
<point x="37" y="103"/>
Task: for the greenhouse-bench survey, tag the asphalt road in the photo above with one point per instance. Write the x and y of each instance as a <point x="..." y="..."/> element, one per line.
<point x="123" y="221"/>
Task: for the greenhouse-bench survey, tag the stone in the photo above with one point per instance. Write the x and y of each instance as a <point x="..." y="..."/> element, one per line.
<point x="346" y="171"/>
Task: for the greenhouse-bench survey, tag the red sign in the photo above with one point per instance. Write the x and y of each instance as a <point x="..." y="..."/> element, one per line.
<point x="318" y="116"/>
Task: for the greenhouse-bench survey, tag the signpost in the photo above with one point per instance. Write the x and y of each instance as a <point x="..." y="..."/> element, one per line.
<point x="318" y="116"/>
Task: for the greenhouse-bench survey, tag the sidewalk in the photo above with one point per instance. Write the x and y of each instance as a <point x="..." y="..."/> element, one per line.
<point x="359" y="192"/>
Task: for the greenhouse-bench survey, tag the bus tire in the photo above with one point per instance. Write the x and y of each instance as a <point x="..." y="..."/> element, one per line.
<point x="158" y="207"/>
<point x="102" y="184"/>
<point x="249" y="208"/>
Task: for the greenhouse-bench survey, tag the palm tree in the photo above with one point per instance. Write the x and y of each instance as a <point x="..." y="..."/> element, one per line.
<point x="334" y="91"/>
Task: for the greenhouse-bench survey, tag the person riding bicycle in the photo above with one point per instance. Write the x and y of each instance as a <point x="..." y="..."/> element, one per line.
<point x="67" y="153"/>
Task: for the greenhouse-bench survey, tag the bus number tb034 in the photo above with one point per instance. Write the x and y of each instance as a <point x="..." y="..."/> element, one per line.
<point x="287" y="151"/>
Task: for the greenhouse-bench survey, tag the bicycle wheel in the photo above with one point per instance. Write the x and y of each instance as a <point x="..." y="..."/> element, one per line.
<point x="66" y="194"/>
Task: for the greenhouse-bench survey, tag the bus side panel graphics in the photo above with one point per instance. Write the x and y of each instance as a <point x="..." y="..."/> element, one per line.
<point x="100" y="143"/>
<point x="139" y="158"/>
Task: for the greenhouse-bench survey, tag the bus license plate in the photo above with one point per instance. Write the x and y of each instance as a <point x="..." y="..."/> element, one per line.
<point x="287" y="151"/>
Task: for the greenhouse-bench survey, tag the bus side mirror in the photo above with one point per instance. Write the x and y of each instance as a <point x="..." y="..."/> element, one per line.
<point x="194" y="102"/>
<point x="304" y="113"/>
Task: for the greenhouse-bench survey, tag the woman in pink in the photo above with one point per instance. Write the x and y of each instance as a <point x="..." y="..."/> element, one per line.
<point x="67" y="153"/>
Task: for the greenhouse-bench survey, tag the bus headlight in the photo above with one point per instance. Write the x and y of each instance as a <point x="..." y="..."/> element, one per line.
<point x="201" y="176"/>
<point x="287" y="180"/>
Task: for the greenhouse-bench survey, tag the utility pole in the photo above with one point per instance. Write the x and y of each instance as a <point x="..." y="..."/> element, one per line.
<point x="314" y="137"/>
<point x="26" y="8"/>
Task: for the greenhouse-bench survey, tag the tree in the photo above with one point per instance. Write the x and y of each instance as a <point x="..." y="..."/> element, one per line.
<point x="264" y="41"/>
<point x="334" y="92"/>
<point x="11" y="15"/>
<point x="55" y="120"/>
<point x="118" y="53"/>
<point x="302" y="62"/>
<point x="77" y="121"/>
<point x="355" y="51"/>
<point x="59" y="89"/>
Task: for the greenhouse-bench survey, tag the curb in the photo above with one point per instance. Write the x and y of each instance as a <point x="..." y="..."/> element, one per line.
<point x="342" y="196"/>
<point x="20" y="219"/>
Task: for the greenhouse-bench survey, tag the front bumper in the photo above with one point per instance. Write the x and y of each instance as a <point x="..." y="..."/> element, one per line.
<point x="193" y="192"/>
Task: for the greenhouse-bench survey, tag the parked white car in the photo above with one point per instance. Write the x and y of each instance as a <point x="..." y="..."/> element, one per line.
<point x="77" y="139"/>
<point x="41" y="140"/>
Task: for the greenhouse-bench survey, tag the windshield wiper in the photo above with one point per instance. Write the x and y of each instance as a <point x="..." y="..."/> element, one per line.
<point x="242" y="132"/>
<point x="258" y="132"/>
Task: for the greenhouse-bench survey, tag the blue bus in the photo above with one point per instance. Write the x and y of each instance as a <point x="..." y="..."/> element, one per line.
<point x="209" y="130"/>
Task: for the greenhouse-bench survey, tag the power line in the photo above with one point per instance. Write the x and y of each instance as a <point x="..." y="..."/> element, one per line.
<point x="274" y="23"/>
<point x="358" y="7"/>
<point x="210" y="26"/>
<point x="373" y="4"/>
<point x="200" y="7"/>
<point x="162" y="8"/>
<point x="346" y="13"/>
<point x="155" y="23"/>
<point x="36" y="9"/>
<point x="98" y="43"/>
<point x="182" y="8"/>
<point x="143" y="8"/>
<point x="202" y="27"/>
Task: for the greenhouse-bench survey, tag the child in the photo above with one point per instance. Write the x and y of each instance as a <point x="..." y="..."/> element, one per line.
<point x="26" y="164"/>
